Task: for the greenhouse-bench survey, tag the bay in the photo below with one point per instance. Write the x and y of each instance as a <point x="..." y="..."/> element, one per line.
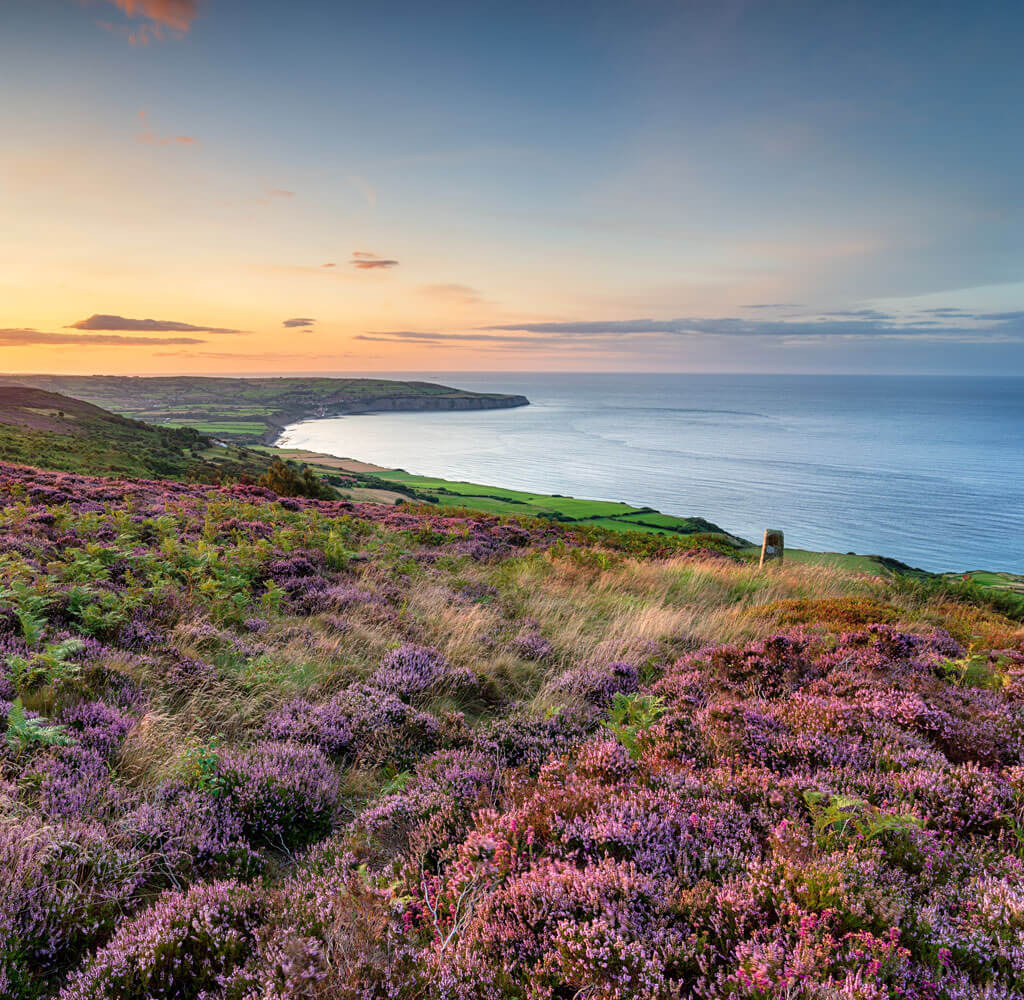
<point x="925" y="469"/>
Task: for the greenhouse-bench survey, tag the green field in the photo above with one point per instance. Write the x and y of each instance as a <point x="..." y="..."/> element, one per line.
<point x="499" y="500"/>
<point x="839" y="560"/>
<point x="233" y="428"/>
<point x="254" y="410"/>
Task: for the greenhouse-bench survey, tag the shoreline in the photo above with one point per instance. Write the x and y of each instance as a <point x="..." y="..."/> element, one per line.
<point x="490" y="498"/>
<point x="281" y="422"/>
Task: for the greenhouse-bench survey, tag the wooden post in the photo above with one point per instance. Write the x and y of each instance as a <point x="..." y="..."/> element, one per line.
<point x="773" y="546"/>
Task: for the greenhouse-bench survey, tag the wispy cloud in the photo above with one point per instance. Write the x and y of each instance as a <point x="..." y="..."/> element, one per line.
<point x="150" y="136"/>
<point x="299" y="322"/>
<point x="32" y="338"/>
<point x="849" y="325"/>
<point x="270" y="195"/>
<point x="862" y="323"/>
<point x="429" y="337"/>
<point x="462" y="295"/>
<point x="484" y="341"/>
<point x="1003" y="317"/>
<point x="100" y="321"/>
<point x="153" y="20"/>
<point x="274" y="356"/>
<point x="873" y="314"/>
<point x="365" y="261"/>
<point x="175" y="14"/>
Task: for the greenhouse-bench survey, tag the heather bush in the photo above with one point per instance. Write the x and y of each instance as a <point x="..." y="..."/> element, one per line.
<point x="338" y="931"/>
<point x="435" y="805"/>
<point x="532" y="645"/>
<point x="595" y="684"/>
<point x="326" y="726"/>
<point x="191" y="834"/>
<point x="98" y="726"/>
<point x="66" y="885"/>
<point x="180" y="947"/>
<point x="412" y="672"/>
<point x="285" y="794"/>
<point x="525" y="740"/>
<point x="386" y="729"/>
<point x="76" y="782"/>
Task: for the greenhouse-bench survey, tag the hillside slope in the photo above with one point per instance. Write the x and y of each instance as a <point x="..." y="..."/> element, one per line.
<point x="54" y="431"/>
<point x="257" y="748"/>
<point x="251" y="410"/>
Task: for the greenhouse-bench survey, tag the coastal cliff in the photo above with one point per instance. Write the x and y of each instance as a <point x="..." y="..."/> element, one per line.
<point x="255" y="410"/>
<point x="391" y="403"/>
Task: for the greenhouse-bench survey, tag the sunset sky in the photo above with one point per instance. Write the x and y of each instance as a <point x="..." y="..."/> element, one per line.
<point x="250" y="186"/>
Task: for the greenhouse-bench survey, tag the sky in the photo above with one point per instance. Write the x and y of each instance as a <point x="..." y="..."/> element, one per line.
<point x="250" y="186"/>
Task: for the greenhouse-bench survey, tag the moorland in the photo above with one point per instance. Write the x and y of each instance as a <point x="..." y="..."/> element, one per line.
<point x="259" y="745"/>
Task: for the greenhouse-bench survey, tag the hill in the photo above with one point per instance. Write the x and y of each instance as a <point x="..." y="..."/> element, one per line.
<point x="58" y="432"/>
<point x="265" y="747"/>
<point x="251" y="410"/>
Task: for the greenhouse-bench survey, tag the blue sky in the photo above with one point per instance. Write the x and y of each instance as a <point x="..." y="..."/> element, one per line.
<point x="563" y="186"/>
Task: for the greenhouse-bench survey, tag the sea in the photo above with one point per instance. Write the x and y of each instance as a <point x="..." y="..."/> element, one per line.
<point x="925" y="469"/>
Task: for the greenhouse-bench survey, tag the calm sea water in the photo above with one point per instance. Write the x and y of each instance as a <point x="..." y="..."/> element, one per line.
<point x="926" y="469"/>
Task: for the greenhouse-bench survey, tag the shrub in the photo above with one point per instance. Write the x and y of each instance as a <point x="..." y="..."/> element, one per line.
<point x="98" y="726"/>
<point x="191" y="834"/>
<point x="385" y="729"/>
<point x="595" y="684"/>
<point x="326" y="726"/>
<point x="286" y="794"/>
<point x="533" y="646"/>
<point x="436" y="803"/>
<point x="75" y="782"/>
<point x="524" y="740"/>
<point x="180" y="947"/>
<point x="411" y="671"/>
<point x="65" y="887"/>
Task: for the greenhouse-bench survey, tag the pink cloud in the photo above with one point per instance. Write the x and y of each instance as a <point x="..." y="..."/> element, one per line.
<point x="149" y="136"/>
<point x="370" y="261"/>
<point x="175" y="14"/>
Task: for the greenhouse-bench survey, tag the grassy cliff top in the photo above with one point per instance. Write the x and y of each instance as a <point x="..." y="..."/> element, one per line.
<point x="247" y="410"/>
<point x="54" y="431"/>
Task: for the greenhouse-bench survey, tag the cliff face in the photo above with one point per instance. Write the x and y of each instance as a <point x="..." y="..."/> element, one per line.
<point x="417" y="403"/>
<point x="391" y="404"/>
